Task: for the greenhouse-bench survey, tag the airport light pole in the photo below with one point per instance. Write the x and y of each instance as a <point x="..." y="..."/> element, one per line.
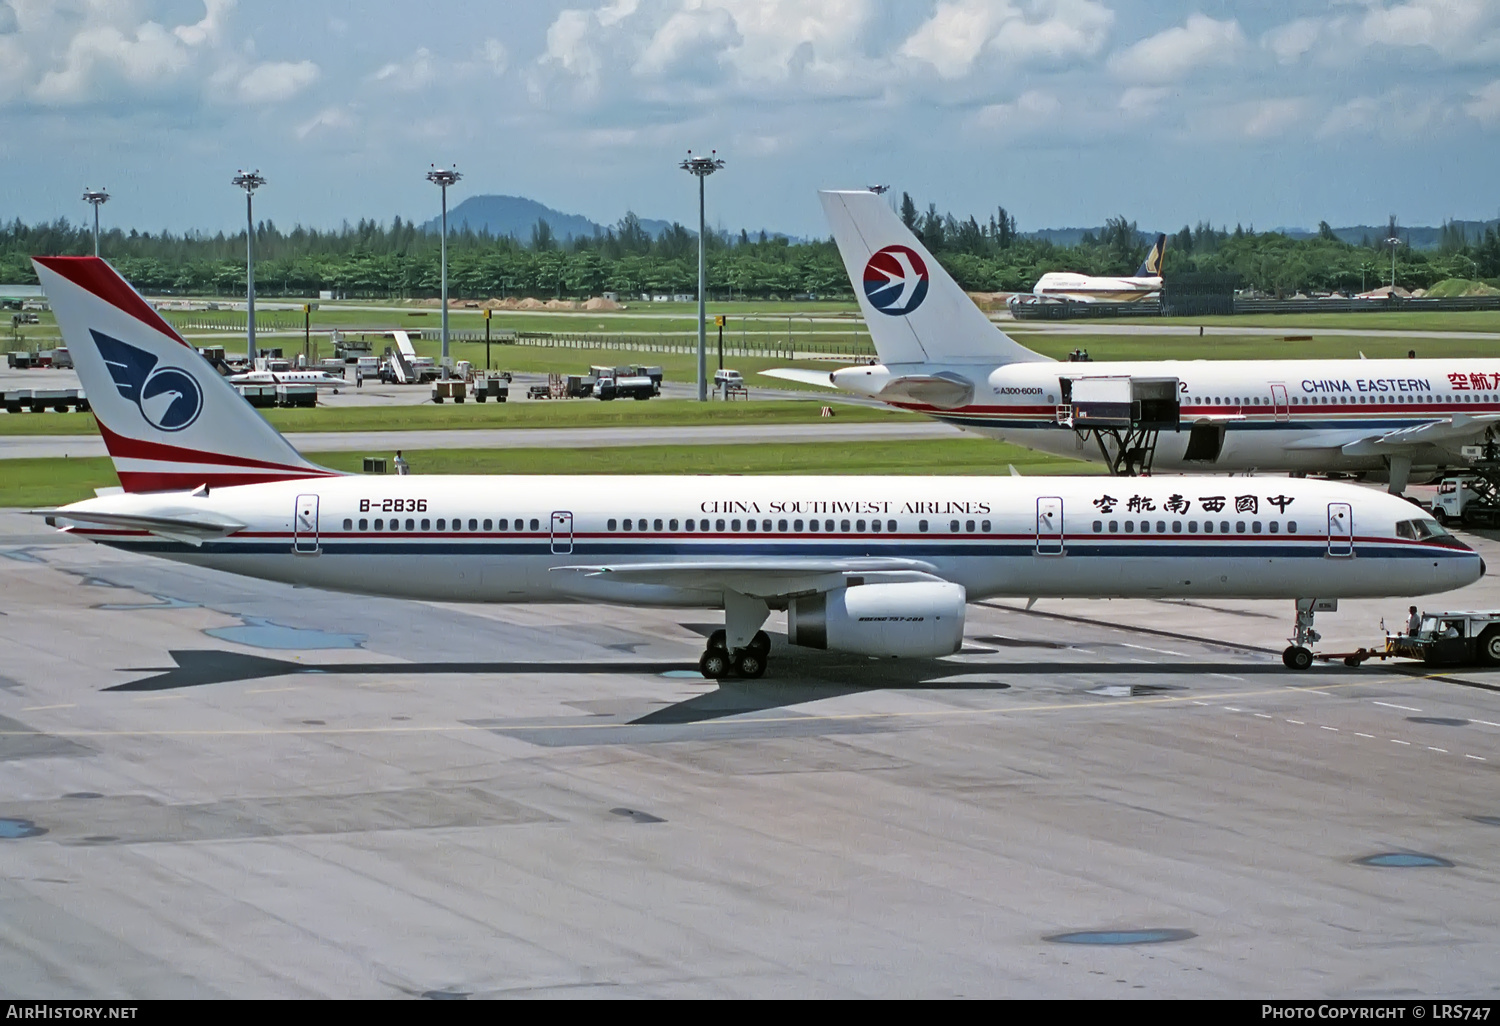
<point x="1393" y="242"/>
<point x="442" y="178"/>
<point x="701" y="168"/>
<point x="97" y="198"/>
<point x="249" y="181"/>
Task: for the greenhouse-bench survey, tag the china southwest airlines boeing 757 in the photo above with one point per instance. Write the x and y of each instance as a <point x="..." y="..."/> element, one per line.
<point x="881" y="566"/>
<point x="941" y="356"/>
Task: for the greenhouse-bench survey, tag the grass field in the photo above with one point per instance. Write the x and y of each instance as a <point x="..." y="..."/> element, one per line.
<point x="1395" y="320"/>
<point x="575" y="413"/>
<point x="40" y="483"/>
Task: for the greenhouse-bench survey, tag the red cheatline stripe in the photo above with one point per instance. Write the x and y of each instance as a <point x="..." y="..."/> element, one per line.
<point x="139" y="481"/>
<point x="95" y="276"/>
<point x="122" y="447"/>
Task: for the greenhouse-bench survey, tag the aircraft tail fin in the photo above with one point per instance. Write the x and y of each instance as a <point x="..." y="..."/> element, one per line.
<point x="1152" y="267"/>
<point x="914" y="309"/>
<point x="170" y="421"/>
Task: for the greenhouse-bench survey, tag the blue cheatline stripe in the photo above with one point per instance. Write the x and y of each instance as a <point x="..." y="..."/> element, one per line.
<point x="603" y="551"/>
<point x="1187" y="423"/>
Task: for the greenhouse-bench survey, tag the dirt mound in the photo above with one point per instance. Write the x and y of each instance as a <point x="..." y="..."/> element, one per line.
<point x="599" y="303"/>
<point x="530" y="304"/>
<point x="991" y="301"/>
<point x="562" y="304"/>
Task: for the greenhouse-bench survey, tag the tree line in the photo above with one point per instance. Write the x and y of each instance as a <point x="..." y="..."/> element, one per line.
<point x="401" y="260"/>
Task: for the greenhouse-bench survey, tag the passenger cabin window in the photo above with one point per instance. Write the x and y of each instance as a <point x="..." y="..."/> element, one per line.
<point x="364" y="525"/>
<point x="1098" y="526"/>
<point x="488" y="525"/>
<point x="781" y="525"/>
<point x="673" y="524"/>
<point x="1291" y="527"/>
<point x="812" y="525"/>
<point x="348" y="525"/>
<point x="691" y="524"/>
<point x="411" y="525"/>
<point x="922" y="526"/>
<point x="442" y="525"/>
<point x="953" y="526"/>
<point x="796" y="525"/>
<point x="658" y="525"/>
<point x="734" y="525"/>
<point x="504" y="525"/>
<point x="536" y="525"/>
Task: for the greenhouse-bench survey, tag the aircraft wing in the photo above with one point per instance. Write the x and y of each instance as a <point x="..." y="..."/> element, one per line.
<point x="762" y="578"/>
<point x="803" y="375"/>
<point x="191" y="527"/>
<point x="1456" y="429"/>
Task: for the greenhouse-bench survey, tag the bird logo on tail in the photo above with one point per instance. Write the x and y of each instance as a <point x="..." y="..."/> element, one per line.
<point x="169" y="398"/>
<point x="896" y="280"/>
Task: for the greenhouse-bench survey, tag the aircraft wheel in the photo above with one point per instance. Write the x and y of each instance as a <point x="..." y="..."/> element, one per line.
<point x="760" y="644"/>
<point x="750" y="664"/>
<point x="1297" y="658"/>
<point x="1489" y="647"/>
<point x="715" y="664"/>
<point x="717" y="642"/>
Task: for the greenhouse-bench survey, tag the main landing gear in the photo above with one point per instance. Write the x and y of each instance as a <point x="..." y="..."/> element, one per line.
<point x="741" y="648"/>
<point x="1298" y="655"/>
<point x="717" y="663"/>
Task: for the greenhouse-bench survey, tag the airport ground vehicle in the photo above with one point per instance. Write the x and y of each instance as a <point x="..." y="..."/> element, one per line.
<point x="1459" y="638"/>
<point x="872" y="565"/>
<point x="1470" y="498"/>
<point x="492" y="386"/>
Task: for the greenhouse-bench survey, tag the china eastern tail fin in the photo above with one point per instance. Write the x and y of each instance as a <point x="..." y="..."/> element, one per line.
<point x="914" y="309"/>
<point x="169" y="420"/>
<point x="1152" y="267"/>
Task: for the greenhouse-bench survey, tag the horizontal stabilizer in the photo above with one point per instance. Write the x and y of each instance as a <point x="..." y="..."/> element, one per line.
<point x="189" y="526"/>
<point x="803" y="375"/>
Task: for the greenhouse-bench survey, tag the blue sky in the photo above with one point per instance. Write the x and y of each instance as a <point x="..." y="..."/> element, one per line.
<point x="1064" y="111"/>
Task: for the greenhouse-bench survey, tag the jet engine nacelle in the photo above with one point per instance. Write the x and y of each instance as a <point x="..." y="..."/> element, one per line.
<point x="922" y="618"/>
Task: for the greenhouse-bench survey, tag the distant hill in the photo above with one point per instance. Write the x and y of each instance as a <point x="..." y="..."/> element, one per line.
<point x="516" y="216"/>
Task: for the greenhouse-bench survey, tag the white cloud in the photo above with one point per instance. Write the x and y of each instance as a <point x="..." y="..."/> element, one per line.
<point x="79" y="53"/>
<point x="1290" y="42"/>
<point x="1138" y="101"/>
<point x="1031" y="110"/>
<point x="276" y="81"/>
<point x="329" y="119"/>
<point x="1269" y="118"/>
<point x="495" y="56"/>
<point x="1172" y="54"/>
<point x="1398" y="114"/>
<point x="1484" y="103"/>
<point x="960" y="31"/>
<point x="689" y="36"/>
<point x="410" y="74"/>
<point x="1457" y="29"/>
<point x="701" y="51"/>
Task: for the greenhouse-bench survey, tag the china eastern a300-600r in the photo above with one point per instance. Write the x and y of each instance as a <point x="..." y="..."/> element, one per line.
<point x="874" y="565"/>
<point x="941" y="356"/>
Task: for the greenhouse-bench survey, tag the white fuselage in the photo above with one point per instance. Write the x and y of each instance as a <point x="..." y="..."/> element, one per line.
<point x="1287" y="415"/>
<point x="504" y="539"/>
<point x="1087" y="288"/>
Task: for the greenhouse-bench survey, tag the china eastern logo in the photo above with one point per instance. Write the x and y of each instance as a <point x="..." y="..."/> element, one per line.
<point x="168" y="397"/>
<point x="896" y="280"/>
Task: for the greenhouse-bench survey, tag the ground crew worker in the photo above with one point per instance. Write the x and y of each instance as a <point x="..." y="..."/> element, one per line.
<point x="402" y="468"/>
<point x="359" y="377"/>
<point x="1413" y="622"/>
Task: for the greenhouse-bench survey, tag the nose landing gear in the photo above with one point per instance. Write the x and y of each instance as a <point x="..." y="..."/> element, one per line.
<point x="1298" y="655"/>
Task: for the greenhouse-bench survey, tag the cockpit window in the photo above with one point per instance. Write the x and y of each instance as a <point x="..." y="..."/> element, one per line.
<point x="1420" y="530"/>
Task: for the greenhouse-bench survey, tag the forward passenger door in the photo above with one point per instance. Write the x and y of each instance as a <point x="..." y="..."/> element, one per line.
<point x="1049" y="526"/>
